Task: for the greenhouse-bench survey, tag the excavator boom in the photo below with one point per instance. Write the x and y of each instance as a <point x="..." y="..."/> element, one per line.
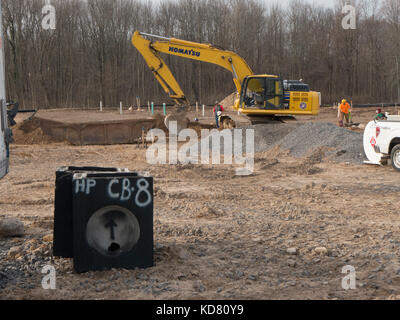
<point x="190" y="50"/>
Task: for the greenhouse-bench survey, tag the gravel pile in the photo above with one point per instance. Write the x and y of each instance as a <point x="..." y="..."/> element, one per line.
<point x="303" y="140"/>
<point x="266" y="136"/>
<point x="341" y="145"/>
<point x="229" y="101"/>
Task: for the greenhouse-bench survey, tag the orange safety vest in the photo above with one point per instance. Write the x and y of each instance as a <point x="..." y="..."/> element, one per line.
<point x="345" y="108"/>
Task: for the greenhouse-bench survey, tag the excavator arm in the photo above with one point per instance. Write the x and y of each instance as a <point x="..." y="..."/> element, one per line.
<point x="151" y="50"/>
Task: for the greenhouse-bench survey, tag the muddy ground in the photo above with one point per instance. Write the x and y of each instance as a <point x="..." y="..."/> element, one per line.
<point x="217" y="235"/>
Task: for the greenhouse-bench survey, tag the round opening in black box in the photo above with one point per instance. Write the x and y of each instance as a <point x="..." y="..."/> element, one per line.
<point x="112" y="231"/>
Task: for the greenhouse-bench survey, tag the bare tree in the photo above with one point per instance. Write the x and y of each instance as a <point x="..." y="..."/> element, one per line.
<point x="89" y="57"/>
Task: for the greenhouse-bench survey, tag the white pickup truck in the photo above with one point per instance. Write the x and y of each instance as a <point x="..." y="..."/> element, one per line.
<point x="382" y="141"/>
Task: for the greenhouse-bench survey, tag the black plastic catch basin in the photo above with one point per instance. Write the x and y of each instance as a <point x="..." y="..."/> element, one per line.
<point x="103" y="218"/>
<point x="112" y="221"/>
<point x="63" y="226"/>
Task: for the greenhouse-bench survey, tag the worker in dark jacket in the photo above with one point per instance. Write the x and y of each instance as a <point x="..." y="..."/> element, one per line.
<point x="218" y="109"/>
<point x="12" y="110"/>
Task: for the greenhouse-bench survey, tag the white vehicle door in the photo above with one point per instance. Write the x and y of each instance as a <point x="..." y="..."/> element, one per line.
<point x="3" y="109"/>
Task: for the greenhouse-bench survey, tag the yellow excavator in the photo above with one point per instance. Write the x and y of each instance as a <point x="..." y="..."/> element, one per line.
<point x="258" y="95"/>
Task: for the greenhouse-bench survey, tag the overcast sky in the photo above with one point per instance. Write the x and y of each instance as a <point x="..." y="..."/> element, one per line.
<point x="326" y="3"/>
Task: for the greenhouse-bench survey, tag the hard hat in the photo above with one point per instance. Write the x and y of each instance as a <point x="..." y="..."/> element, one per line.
<point x="344" y="101"/>
<point x="219" y="113"/>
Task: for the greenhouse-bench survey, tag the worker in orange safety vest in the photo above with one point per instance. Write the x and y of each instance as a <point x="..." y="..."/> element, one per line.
<point x="344" y="112"/>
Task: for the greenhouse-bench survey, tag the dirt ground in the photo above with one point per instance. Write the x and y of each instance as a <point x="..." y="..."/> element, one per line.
<point x="217" y="235"/>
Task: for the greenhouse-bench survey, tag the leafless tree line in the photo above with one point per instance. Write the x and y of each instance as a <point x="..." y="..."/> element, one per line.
<point x="89" y="57"/>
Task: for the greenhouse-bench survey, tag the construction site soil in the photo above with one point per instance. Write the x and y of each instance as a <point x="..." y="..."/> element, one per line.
<point x="285" y="232"/>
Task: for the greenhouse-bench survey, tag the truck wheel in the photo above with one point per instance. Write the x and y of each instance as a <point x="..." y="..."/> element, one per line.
<point x="395" y="156"/>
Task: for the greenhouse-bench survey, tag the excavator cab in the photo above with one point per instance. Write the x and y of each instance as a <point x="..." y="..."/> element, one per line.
<point x="262" y="92"/>
<point x="267" y="95"/>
